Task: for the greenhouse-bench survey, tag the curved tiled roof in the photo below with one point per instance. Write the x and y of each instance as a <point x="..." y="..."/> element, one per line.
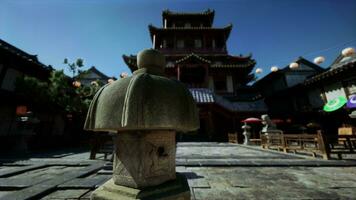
<point x="16" y="51"/>
<point x="202" y="95"/>
<point x="336" y="68"/>
<point x="242" y="62"/>
<point x="153" y="28"/>
<point x="248" y="64"/>
<point x="206" y="12"/>
<point x="192" y="55"/>
<point x="130" y="61"/>
<point x="205" y="95"/>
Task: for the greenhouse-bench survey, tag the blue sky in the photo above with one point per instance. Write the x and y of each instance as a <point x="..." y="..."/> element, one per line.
<point x="275" y="31"/>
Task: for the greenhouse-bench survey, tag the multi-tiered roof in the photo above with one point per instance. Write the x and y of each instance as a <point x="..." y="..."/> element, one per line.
<point x="187" y="38"/>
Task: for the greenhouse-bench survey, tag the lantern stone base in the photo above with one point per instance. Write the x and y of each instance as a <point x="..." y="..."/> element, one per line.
<point x="177" y="189"/>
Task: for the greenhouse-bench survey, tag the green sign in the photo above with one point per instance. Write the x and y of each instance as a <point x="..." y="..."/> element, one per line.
<point x="335" y="104"/>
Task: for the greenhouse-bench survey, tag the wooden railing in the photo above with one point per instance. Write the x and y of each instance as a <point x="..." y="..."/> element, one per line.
<point x="309" y="143"/>
<point x="272" y="140"/>
<point x="346" y="144"/>
<point x="232" y="137"/>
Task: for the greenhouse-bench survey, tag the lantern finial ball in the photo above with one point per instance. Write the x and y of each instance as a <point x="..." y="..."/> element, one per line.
<point x="150" y="58"/>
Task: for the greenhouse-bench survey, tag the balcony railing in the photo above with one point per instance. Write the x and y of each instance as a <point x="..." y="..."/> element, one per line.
<point x="193" y="50"/>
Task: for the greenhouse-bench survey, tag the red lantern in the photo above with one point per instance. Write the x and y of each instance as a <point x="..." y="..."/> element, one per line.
<point x="21" y="110"/>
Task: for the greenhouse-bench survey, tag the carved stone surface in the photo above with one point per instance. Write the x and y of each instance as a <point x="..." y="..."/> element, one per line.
<point x="268" y="124"/>
<point x="246" y="133"/>
<point x="147" y="100"/>
<point x="144" y="158"/>
<point x="177" y="189"/>
<point x="146" y="109"/>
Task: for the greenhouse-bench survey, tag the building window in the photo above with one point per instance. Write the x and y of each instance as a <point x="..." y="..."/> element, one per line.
<point x="179" y="24"/>
<point x="220" y="83"/>
<point x="197" y="43"/>
<point x="180" y="44"/>
<point x="164" y="43"/>
<point x="170" y="43"/>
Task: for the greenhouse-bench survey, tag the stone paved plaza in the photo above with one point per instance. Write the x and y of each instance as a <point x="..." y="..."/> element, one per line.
<point x="214" y="171"/>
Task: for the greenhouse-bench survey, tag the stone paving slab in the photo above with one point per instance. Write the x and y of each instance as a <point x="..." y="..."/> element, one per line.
<point x="91" y="183"/>
<point x="274" y="183"/>
<point x="213" y="170"/>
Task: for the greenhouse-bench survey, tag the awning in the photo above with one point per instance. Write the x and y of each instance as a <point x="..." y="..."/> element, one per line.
<point x="251" y="120"/>
<point x="335" y="104"/>
<point x="351" y="103"/>
<point x="202" y="95"/>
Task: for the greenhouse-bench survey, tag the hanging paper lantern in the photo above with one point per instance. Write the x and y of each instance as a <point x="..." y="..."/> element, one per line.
<point x="274" y="68"/>
<point x="76" y="84"/>
<point x="319" y="60"/>
<point x="259" y="71"/>
<point x="293" y="65"/>
<point x="348" y="51"/>
<point x="110" y="80"/>
<point x="21" y="110"/>
<point x="123" y="75"/>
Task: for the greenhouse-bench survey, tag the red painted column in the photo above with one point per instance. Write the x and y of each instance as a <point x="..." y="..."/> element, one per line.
<point x="178" y="72"/>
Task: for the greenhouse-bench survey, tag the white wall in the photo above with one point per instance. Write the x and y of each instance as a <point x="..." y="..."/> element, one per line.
<point x="334" y="90"/>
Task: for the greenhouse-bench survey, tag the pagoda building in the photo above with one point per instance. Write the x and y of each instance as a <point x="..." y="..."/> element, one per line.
<point x="196" y="54"/>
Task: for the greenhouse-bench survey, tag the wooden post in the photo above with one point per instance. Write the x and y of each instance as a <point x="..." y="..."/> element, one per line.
<point x="178" y="72"/>
<point x="323" y="146"/>
<point x="154" y="41"/>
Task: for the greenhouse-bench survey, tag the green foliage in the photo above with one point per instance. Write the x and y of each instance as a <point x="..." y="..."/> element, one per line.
<point x="75" y="66"/>
<point x="60" y="90"/>
<point x="33" y="88"/>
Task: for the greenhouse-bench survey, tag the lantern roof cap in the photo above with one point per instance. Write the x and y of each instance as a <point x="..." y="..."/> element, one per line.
<point x="144" y="101"/>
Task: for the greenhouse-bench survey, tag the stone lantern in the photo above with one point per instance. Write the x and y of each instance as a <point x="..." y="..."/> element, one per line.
<point x="246" y="133"/>
<point x="146" y="110"/>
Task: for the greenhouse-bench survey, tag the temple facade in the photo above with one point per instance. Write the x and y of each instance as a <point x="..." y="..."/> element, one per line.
<point x="197" y="55"/>
<point x="196" y="52"/>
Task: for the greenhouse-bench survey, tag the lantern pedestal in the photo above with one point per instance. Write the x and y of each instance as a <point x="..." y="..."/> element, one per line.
<point x="170" y="190"/>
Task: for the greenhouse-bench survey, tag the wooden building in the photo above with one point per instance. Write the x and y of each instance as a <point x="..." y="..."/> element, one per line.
<point x="197" y="55"/>
<point x="338" y="80"/>
<point x="93" y="74"/>
<point x="284" y="90"/>
<point x="27" y="122"/>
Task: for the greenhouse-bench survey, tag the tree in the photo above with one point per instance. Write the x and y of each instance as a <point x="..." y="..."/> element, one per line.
<point x="75" y="66"/>
<point x="60" y="90"/>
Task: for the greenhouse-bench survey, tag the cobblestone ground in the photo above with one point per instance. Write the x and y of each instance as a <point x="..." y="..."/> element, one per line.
<point x="214" y="171"/>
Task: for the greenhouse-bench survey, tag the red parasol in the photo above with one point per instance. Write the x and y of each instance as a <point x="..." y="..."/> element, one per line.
<point x="251" y="120"/>
<point x="277" y="121"/>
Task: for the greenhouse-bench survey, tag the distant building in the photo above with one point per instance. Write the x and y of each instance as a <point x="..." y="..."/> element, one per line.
<point x="93" y="74"/>
<point x="14" y="64"/>
<point x="284" y="90"/>
<point x="338" y="80"/>
<point x="197" y="55"/>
